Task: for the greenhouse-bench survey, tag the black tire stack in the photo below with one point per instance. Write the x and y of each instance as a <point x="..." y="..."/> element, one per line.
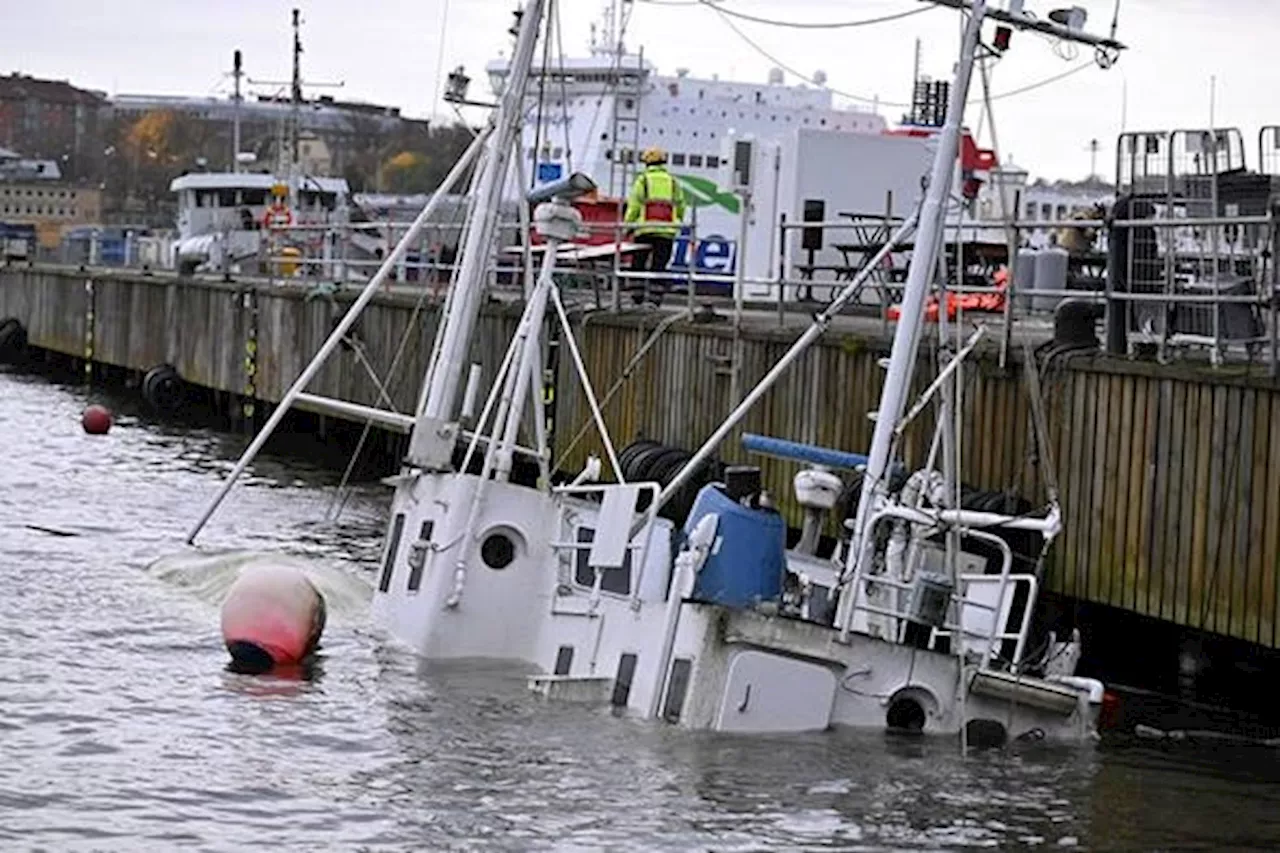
<point x="652" y="461"/>
<point x="163" y="389"/>
<point x="13" y="341"/>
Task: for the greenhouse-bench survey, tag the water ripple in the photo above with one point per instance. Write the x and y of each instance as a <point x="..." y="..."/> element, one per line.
<point x="122" y="730"/>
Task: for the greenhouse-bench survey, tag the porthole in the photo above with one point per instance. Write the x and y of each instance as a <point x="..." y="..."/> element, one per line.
<point x="498" y="550"/>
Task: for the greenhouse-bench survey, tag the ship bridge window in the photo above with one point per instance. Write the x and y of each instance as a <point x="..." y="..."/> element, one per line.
<point x="253" y="198"/>
<point x="226" y="198"/>
<point x="695" y="160"/>
<point x="677" y="159"/>
<point x="713" y="162"/>
<point x="616" y="581"/>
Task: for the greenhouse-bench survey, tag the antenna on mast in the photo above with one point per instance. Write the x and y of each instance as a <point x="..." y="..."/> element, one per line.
<point x="237" y="71"/>
<point x="606" y="37"/>
<point x="295" y="84"/>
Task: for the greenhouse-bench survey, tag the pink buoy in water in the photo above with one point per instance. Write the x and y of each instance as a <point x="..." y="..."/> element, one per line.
<point x="272" y="616"/>
<point x="96" y="420"/>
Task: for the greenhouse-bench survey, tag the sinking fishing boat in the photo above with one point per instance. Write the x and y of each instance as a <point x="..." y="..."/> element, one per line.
<point x="919" y="621"/>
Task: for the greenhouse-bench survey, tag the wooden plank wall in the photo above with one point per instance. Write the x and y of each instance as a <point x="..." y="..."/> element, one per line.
<point x="1170" y="475"/>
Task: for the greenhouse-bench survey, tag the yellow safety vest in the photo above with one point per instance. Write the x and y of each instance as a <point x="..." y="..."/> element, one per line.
<point x="655" y="198"/>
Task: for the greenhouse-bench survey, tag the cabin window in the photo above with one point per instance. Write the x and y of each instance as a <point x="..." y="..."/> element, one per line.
<point x="226" y="198"/>
<point x="498" y="551"/>
<point x="1031" y="211"/>
<point x="564" y="660"/>
<point x="254" y="198"/>
<point x="677" y="159"/>
<point x="393" y="545"/>
<point x="695" y="161"/>
<point x="677" y="687"/>
<point x="615" y="581"/>
<point x="622" y="681"/>
<point x="713" y="162"/>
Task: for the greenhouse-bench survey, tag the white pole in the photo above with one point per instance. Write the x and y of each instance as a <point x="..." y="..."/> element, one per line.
<point x="460" y="322"/>
<point x="532" y="333"/>
<point x="586" y="384"/>
<point x="235" y="122"/>
<point x="335" y="337"/>
<point x="906" y="337"/>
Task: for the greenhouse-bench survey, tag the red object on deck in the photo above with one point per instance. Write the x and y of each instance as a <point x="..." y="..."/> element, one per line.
<point x="987" y="302"/>
<point x="597" y="213"/>
<point x="96" y="420"/>
<point x="272" y="616"/>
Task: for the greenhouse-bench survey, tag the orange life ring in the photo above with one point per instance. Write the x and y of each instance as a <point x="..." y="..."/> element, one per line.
<point x="277" y="216"/>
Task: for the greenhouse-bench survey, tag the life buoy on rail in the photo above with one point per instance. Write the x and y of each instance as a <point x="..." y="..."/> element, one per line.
<point x="278" y="215"/>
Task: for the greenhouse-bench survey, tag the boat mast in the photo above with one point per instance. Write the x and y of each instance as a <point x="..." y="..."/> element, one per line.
<point x="906" y="339"/>
<point x="237" y="71"/>
<point x="295" y="108"/>
<point x="434" y="432"/>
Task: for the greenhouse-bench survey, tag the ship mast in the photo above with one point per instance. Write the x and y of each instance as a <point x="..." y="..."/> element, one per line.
<point x="290" y="145"/>
<point x="906" y="339"/>
<point x="237" y="71"/>
<point x="431" y="446"/>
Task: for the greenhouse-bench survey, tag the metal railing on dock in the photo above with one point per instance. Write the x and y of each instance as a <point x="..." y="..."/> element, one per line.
<point x="1184" y="261"/>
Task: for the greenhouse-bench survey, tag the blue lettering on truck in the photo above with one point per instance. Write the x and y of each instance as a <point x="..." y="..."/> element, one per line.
<point x="714" y="254"/>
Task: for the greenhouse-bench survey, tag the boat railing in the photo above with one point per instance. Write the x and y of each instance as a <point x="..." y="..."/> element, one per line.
<point x="1180" y="273"/>
<point x="862" y="587"/>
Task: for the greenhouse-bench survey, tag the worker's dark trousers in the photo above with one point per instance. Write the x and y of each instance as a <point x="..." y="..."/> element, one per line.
<point x="653" y="261"/>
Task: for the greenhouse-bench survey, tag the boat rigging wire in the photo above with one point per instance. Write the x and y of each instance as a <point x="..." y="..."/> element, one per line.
<point x="795" y="25"/>
<point x="625" y="20"/>
<point x="876" y="101"/>
<point x="564" y="87"/>
<point x="444" y="23"/>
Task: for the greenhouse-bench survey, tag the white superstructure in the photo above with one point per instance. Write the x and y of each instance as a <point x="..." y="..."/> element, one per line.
<point x="222" y="216"/>
<point x="596" y="114"/>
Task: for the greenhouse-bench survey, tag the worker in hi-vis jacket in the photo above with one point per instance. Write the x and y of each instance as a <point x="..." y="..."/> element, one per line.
<point x="656" y="207"/>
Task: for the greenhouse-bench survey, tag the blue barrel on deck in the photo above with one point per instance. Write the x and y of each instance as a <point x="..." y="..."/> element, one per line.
<point x="750" y="560"/>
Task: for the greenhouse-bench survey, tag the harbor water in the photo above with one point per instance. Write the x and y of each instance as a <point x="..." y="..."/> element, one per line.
<point x="120" y="728"/>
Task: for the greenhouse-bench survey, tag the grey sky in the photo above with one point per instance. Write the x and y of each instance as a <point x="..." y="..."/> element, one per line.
<point x="389" y="51"/>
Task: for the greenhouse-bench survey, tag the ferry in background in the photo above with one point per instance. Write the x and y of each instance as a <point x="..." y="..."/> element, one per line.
<point x="789" y="149"/>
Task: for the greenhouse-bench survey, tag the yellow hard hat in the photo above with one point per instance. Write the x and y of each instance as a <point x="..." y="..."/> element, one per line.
<point x="653" y="156"/>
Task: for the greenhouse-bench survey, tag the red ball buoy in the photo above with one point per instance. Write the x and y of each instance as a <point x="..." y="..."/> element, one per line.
<point x="96" y="420"/>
